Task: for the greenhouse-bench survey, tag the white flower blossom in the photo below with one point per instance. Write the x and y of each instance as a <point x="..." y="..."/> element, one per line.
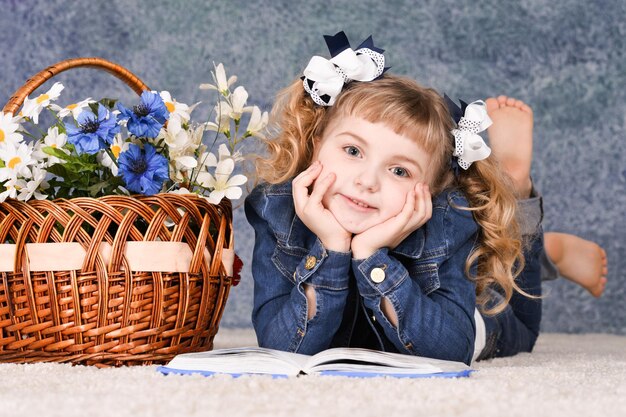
<point x="182" y="145"/>
<point x="17" y="160"/>
<point x="176" y="109"/>
<point x="9" y="129"/>
<point x="222" y="118"/>
<point x="32" y="107"/>
<point x="12" y="186"/>
<point x="257" y="123"/>
<point x="237" y="105"/>
<point x="74" y="109"/>
<point x="176" y="137"/>
<point x="222" y="185"/>
<point x="221" y="83"/>
<point x="30" y="188"/>
<point x="181" y="191"/>
<point x="118" y="146"/>
<point x="206" y="160"/>
<point x="54" y="139"/>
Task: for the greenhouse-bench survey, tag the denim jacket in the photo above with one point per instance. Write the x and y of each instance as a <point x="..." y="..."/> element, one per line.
<point x="423" y="278"/>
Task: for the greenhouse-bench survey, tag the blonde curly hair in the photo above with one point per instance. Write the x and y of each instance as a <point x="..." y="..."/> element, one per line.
<point x="422" y="115"/>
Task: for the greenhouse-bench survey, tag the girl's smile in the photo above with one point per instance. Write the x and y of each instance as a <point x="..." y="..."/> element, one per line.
<point x="357" y="204"/>
<point x="375" y="169"/>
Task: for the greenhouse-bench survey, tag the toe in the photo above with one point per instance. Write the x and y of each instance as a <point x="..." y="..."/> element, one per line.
<point x="502" y="100"/>
<point x="492" y="104"/>
<point x="518" y="103"/>
<point x="525" y="107"/>
<point x="510" y="102"/>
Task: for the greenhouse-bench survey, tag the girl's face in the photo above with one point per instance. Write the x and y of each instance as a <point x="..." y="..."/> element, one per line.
<point x="375" y="168"/>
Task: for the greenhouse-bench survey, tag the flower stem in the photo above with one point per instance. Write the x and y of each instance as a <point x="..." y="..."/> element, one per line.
<point x="111" y="155"/>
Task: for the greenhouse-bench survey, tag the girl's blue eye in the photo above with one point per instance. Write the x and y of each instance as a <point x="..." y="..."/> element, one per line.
<point x="400" y="172"/>
<point x="352" y="150"/>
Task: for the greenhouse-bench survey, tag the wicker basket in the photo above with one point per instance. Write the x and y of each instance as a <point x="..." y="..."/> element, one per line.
<point x="114" y="280"/>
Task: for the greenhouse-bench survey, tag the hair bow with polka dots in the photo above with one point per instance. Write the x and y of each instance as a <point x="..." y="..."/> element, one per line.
<point x="469" y="147"/>
<point x="324" y="79"/>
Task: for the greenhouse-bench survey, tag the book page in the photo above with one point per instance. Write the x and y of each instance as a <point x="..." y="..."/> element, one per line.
<point x="365" y="360"/>
<point x="254" y="360"/>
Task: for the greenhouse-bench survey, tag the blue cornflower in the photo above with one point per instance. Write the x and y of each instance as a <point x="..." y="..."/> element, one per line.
<point x="94" y="132"/>
<point x="144" y="171"/>
<point x="147" y="118"/>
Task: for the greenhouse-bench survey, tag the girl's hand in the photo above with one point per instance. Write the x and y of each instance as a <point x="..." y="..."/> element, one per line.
<point x="312" y="212"/>
<point x="417" y="210"/>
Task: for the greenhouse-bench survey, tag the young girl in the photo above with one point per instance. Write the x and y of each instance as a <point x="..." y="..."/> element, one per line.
<point x="353" y="251"/>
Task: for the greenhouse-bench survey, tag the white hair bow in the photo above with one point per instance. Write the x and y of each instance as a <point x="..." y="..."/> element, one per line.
<point x="324" y="79"/>
<point x="468" y="145"/>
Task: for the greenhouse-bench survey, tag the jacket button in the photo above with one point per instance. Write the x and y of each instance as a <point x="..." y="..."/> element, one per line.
<point x="310" y="262"/>
<point x="377" y="275"/>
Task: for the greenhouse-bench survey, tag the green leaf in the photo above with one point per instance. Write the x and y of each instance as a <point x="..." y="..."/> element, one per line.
<point x="55" y="152"/>
<point x="58" y="170"/>
<point x="109" y="102"/>
<point x="94" y="107"/>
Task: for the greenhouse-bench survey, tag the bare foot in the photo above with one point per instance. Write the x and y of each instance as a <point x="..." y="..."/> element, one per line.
<point x="580" y="261"/>
<point x="511" y="139"/>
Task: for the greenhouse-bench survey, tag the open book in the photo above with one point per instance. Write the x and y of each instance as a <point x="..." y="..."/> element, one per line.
<point x="337" y="361"/>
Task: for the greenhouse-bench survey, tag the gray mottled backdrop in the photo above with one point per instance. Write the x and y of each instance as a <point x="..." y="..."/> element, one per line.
<point x="564" y="57"/>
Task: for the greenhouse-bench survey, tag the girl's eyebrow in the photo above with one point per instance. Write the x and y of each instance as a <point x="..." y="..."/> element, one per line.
<point x="355" y="136"/>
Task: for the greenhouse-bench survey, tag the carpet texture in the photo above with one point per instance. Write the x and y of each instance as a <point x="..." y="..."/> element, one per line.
<point x="567" y="375"/>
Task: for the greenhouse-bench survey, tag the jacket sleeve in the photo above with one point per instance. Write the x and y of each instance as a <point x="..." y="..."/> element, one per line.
<point x="279" y="315"/>
<point x="437" y="322"/>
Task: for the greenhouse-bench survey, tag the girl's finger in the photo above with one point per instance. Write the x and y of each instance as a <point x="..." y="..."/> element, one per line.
<point x="300" y="184"/>
<point x="320" y="188"/>
<point x="409" y="206"/>
<point x="429" y="202"/>
<point x="420" y="207"/>
<point x="308" y="175"/>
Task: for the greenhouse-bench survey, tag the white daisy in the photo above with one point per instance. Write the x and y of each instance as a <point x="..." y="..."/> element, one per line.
<point x="75" y="108"/>
<point x="16" y="161"/>
<point x="32" y="107"/>
<point x="53" y="139"/>
<point x="11" y="187"/>
<point x="176" y="109"/>
<point x="31" y="188"/>
<point x="9" y="129"/>
<point x="118" y="146"/>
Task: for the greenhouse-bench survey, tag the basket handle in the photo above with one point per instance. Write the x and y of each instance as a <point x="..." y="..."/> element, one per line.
<point x="42" y="76"/>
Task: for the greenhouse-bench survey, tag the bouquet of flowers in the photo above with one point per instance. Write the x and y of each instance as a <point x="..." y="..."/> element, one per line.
<point x="96" y="148"/>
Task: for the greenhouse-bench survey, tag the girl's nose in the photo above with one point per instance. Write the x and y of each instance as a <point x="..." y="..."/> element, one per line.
<point x="367" y="179"/>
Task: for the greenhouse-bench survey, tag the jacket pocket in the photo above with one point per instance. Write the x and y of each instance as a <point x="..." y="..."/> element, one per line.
<point x="286" y="260"/>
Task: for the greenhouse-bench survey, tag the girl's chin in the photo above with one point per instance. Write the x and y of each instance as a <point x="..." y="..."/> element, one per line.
<point x="355" y="229"/>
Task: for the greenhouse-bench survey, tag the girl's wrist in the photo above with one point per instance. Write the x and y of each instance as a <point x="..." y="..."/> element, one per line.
<point x="336" y="245"/>
<point x="361" y="252"/>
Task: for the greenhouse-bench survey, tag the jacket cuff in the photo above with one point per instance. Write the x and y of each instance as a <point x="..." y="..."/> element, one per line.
<point x="530" y="213"/>
<point x="324" y="268"/>
<point x="378" y="274"/>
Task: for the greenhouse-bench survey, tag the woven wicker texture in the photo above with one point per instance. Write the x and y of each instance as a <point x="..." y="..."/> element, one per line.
<point x="105" y="313"/>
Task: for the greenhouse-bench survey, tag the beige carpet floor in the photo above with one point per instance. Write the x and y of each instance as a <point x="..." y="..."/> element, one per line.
<point x="567" y="375"/>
